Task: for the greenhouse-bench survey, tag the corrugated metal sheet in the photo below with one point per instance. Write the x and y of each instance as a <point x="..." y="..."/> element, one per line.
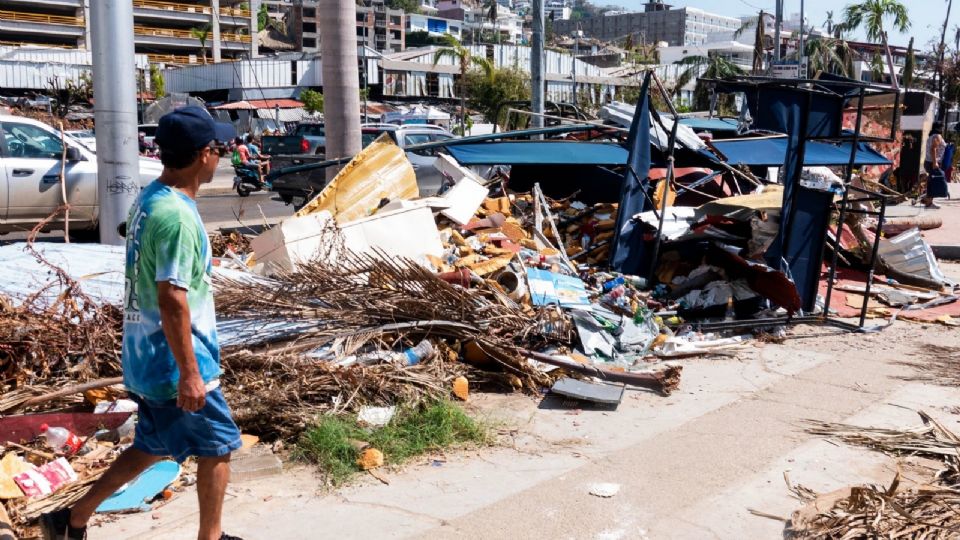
<point x="244" y="74"/>
<point x="33" y="68"/>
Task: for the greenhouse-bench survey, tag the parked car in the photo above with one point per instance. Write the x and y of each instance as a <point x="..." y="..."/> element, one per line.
<point x="85" y="137"/>
<point x="306" y="138"/>
<point x="30" y="158"/>
<point x="298" y="188"/>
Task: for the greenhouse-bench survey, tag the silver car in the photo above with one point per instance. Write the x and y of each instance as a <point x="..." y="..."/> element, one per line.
<point x="429" y="179"/>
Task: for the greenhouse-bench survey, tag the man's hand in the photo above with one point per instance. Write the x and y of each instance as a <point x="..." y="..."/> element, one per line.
<point x="191" y="393"/>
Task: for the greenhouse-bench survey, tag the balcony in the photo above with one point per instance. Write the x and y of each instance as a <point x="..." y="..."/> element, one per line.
<point x="184" y="34"/>
<point x="191" y="8"/>
<point x="36" y="18"/>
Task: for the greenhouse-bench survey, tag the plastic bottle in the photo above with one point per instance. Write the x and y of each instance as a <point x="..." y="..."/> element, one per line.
<point x="61" y="439"/>
<point x="614" y="283"/>
<point x="414" y="355"/>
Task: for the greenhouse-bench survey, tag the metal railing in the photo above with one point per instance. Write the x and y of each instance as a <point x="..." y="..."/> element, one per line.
<point x="184" y="34"/>
<point x="190" y="8"/>
<point x="41" y="18"/>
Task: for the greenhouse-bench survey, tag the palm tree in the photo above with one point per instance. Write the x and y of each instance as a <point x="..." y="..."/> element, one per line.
<point x="759" y="45"/>
<point x="829" y="23"/>
<point x="341" y="79"/>
<point x="712" y="66"/>
<point x="943" y="47"/>
<point x="201" y="33"/>
<point x="491" y="16"/>
<point x="462" y="55"/>
<point x="870" y="14"/>
<point x="829" y="55"/>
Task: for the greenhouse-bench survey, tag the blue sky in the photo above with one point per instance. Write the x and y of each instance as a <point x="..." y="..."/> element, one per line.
<point x="926" y="16"/>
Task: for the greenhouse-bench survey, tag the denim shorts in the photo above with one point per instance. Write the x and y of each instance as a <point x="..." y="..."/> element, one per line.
<point x="164" y="429"/>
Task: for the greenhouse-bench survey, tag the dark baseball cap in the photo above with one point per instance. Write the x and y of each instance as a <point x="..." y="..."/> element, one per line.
<point x="190" y="128"/>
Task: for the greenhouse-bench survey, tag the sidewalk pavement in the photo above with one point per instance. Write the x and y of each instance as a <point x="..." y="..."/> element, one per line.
<point x="945" y="240"/>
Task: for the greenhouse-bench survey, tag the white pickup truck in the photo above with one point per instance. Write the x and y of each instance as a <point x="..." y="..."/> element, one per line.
<point x="30" y="157"/>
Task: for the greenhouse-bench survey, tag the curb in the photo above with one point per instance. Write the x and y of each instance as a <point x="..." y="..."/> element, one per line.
<point x="946" y="252"/>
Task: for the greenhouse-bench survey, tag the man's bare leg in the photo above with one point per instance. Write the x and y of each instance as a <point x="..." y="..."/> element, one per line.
<point x="213" y="473"/>
<point x="128" y="466"/>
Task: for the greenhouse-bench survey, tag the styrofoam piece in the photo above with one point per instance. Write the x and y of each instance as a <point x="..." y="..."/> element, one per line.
<point x="293" y="241"/>
<point x="466" y="195"/>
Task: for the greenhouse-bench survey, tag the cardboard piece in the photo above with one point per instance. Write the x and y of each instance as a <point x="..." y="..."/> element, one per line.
<point x="10" y="466"/>
<point x="467" y="193"/>
<point x="380" y="171"/>
<point x="133" y="496"/>
<point x="550" y="288"/>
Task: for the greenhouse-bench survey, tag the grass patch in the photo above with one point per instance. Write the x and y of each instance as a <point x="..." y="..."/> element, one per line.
<point x="412" y="432"/>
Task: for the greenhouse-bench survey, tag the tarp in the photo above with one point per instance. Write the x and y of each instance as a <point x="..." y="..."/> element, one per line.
<point x="539" y="153"/>
<point x="628" y="253"/>
<point x="771" y="152"/>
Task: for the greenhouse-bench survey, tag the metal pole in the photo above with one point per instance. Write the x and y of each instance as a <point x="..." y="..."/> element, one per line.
<point x="802" y="54"/>
<point x="576" y="53"/>
<point x="776" y="30"/>
<point x="115" y="114"/>
<point x="848" y="177"/>
<point x="536" y="65"/>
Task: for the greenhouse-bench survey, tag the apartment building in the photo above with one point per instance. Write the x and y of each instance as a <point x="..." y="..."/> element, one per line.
<point x="658" y="22"/>
<point x="162" y="30"/>
<point x="381" y="28"/>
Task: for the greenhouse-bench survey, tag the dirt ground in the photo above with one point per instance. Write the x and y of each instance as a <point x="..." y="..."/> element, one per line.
<point x="690" y="465"/>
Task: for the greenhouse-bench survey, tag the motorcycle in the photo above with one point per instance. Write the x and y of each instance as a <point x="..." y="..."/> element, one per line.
<point x="246" y="181"/>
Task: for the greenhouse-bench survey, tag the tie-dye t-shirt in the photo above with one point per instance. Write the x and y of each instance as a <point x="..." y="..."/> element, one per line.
<point x="165" y="242"/>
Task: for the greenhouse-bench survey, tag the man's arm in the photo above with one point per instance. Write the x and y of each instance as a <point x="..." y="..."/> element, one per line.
<point x="175" y="320"/>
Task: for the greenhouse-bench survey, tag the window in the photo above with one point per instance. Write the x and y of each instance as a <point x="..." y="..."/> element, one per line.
<point x="394" y="20"/>
<point x="310" y="12"/>
<point x="24" y="140"/>
<point x="310" y="27"/>
<point x="309" y="43"/>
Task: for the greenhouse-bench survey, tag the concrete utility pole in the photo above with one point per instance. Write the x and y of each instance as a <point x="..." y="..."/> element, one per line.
<point x="215" y="30"/>
<point x="536" y="65"/>
<point x="776" y="30"/>
<point x="115" y="114"/>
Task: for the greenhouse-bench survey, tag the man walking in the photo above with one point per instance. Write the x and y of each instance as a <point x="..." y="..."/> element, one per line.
<point x="171" y="359"/>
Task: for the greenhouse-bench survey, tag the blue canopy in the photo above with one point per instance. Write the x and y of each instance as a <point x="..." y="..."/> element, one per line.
<point x="539" y="153"/>
<point x="710" y="124"/>
<point x="771" y="152"/>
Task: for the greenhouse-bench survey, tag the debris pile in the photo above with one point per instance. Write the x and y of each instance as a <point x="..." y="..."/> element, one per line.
<point x="930" y="509"/>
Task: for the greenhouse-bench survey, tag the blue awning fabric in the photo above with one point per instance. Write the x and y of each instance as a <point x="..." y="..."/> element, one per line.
<point x="771" y="152"/>
<point x="539" y="153"/>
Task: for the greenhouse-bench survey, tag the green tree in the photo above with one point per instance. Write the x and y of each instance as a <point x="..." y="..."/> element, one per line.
<point x="712" y="66"/>
<point x="263" y="18"/>
<point x="201" y="33"/>
<point x="870" y="15"/>
<point x="491" y="7"/>
<point x="312" y="101"/>
<point x="488" y="92"/>
<point x="462" y="55"/>
<point x="908" y="67"/>
<point x="409" y="6"/>
<point x="157" y="83"/>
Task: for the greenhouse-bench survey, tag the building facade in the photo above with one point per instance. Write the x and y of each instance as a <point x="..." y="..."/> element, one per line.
<point x="162" y="30"/>
<point x="434" y="26"/>
<point x="658" y="22"/>
<point x="381" y="28"/>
